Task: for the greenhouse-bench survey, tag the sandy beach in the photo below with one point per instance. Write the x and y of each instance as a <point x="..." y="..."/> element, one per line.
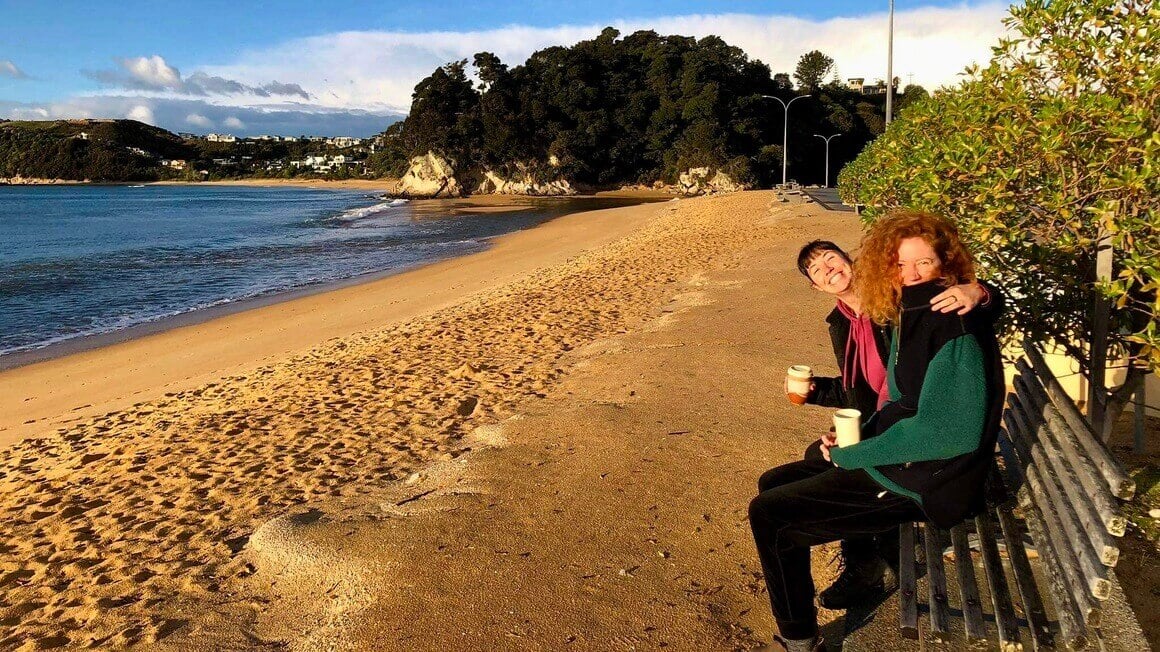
<point x="129" y="523"/>
<point x="550" y="445"/>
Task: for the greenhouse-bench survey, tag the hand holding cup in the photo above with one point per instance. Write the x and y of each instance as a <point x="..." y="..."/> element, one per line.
<point x="798" y="382"/>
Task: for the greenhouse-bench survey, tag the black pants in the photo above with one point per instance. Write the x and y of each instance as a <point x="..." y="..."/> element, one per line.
<point x="807" y="503"/>
<point x="855" y="549"/>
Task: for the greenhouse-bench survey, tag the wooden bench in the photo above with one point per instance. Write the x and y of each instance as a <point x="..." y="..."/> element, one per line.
<point x="1067" y="491"/>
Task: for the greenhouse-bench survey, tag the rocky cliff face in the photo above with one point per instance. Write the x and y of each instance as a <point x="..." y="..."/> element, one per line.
<point x="433" y="176"/>
<point x="523" y="184"/>
<point x="702" y="181"/>
<point x="430" y="176"/>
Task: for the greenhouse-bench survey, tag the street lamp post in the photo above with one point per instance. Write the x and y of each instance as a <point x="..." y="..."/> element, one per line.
<point x="890" y="66"/>
<point x="785" y="132"/>
<point x="827" y="139"/>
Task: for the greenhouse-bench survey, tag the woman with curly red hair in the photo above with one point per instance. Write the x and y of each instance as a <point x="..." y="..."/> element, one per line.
<point x="925" y="454"/>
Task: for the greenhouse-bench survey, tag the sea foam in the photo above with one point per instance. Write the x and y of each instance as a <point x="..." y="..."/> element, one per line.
<point x="367" y="211"/>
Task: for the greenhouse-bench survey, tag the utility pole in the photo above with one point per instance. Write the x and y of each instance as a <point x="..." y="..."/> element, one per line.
<point x="827" y="156"/>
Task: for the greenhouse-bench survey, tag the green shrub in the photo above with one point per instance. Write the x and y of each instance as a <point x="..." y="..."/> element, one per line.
<point x="1052" y="148"/>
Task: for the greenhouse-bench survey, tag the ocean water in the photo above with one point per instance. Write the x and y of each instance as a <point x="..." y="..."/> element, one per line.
<point x="78" y="261"/>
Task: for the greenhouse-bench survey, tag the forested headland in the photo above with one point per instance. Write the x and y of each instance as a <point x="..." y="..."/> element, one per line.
<point x="103" y="150"/>
<point x="636" y="109"/>
<point x="99" y="150"/>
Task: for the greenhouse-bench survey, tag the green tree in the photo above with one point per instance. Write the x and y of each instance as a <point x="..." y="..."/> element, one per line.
<point x="911" y="94"/>
<point x="1047" y="154"/>
<point x="444" y="110"/>
<point x="812" y="69"/>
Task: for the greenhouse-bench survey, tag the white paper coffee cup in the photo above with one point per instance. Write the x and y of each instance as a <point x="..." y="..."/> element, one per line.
<point x="848" y="426"/>
<point x="797" y="381"/>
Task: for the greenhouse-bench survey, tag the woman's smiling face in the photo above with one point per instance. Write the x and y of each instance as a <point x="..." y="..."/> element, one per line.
<point x="830" y="272"/>
<point x="917" y="262"/>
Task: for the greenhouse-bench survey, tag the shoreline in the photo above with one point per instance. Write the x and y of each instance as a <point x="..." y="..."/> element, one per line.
<point x="387" y="185"/>
<point x="194" y="317"/>
<point x="484" y="204"/>
<point x="47" y="388"/>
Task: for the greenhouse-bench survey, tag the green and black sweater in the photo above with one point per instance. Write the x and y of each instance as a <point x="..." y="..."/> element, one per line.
<point x="934" y="440"/>
<point x="856" y="392"/>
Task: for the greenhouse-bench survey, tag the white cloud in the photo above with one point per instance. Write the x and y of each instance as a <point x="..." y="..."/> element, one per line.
<point x="156" y="75"/>
<point x="141" y="113"/>
<point x="378" y="70"/>
<point x="153" y="71"/>
<point x="29" y="113"/>
<point x="199" y="120"/>
<point x="9" y="69"/>
<point x="233" y="123"/>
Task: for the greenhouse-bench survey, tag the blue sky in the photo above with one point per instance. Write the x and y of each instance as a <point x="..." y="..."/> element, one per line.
<point x="346" y="67"/>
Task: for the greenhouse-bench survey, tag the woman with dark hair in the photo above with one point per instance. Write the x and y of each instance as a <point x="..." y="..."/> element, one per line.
<point x="860" y="347"/>
<point x="925" y="454"/>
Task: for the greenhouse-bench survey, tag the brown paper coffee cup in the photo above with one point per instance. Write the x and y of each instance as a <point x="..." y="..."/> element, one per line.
<point x="797" y="383"/>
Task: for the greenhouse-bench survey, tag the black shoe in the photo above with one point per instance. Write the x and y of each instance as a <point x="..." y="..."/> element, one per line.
<point x="783" y="646"/>
<point x="859" y="580"/>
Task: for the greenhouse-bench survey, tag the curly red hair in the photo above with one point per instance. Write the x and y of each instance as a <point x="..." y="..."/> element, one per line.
<point x="876" y="271"/>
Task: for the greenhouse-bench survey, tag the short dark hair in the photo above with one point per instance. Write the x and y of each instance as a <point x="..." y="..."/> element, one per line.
<point x="813" y="249"/>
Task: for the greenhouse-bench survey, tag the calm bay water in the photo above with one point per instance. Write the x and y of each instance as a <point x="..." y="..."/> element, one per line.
<point x="83" y="260"/>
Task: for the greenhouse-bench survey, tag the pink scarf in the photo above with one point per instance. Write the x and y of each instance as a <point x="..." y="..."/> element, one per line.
<point x="862" y="355"/>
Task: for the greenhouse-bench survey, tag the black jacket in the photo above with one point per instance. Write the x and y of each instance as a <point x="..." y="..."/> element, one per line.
<point x="832" y="391"/>
<point x="934" y="441"/>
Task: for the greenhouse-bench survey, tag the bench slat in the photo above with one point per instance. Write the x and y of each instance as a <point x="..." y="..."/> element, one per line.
<point x="937" y="582"/>
<point x="1000" y="594"/>
<point x="1033" y="611"/>
<point x="907" y="583"/>
<point x="1114" y="475"/>
<point x="1055" y="553"/>
<point x="1063" y="527"/>
<point x="1083" y="570"/>
<point x="1011" y="465"/>
<point x="1069" y="615"/>
<point x="968" y="587"/>
<point x="1057" y="437"/>
<point x="1099" y="527"/>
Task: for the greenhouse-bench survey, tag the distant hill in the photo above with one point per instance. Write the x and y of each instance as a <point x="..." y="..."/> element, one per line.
<point x="96" y="150"/>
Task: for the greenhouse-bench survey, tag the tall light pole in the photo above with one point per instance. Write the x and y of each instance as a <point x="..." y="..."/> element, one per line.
<point x="785" y="132"/>
<point x="890" y="66"/>
<point x="827" y="155"/>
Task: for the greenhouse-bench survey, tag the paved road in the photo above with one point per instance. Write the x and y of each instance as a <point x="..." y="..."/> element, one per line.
<point x="828" y="197"/>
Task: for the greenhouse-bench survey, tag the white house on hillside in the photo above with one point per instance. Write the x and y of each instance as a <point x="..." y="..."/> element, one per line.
<point x="345" y="141"/>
